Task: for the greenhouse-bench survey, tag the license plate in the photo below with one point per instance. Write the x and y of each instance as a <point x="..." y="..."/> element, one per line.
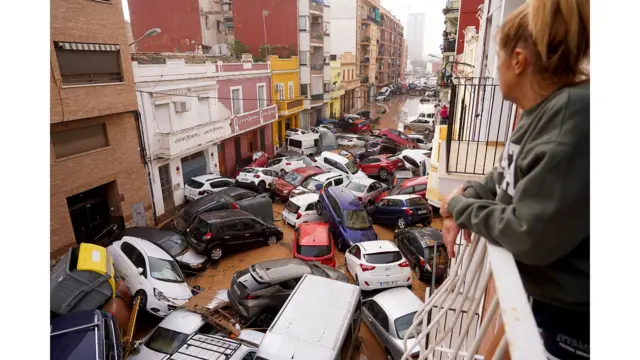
<point x="388" y="283"/>
<point x="422" y="212"/>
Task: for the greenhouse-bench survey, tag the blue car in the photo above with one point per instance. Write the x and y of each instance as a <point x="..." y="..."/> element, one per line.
<point x="401" y="211"/>
<point x="86" y="335"/>
<point x="346" y="216"/>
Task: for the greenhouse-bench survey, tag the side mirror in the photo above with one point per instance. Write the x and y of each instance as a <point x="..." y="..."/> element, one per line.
<point x="140" y="271"/>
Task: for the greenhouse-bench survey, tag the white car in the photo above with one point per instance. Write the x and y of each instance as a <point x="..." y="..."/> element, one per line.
<point x="377" y="264"/>
<point x="318" y="182"/>
<point x="149" y="271"/>
<point x="202" y="185"/>
<point x="351" y="140"/>
<point x="294" y="131"/>
<point x="256" y="178"/>
<point x="327" y="127"/>
<point x="419" y="139"/>
<point x="301" y="209"/>
<point x="285" y="164"/>
<point x="333" y="162"/>
<point x="416" y="159"/>
<point x="366" y="190"/>
<point x="421" y="123"/>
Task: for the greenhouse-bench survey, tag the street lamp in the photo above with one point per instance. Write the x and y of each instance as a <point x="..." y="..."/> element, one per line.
<point x="148" y="33"/>
<point x="264" y="25"/>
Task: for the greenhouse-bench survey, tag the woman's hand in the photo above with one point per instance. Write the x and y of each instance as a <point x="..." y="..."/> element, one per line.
<point x="450" y="233"/>
<point x="443" y="205"/>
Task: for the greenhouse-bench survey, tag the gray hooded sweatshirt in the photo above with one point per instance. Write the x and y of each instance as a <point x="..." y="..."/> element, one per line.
<point x="535" y="202"/>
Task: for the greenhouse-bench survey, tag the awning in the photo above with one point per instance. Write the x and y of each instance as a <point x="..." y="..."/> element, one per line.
<point x="88" y="47"/>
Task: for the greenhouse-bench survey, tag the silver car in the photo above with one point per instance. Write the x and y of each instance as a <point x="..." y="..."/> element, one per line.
<point x="366" y="190"/>
<point x="389" y="315"/>
<point x="421" y="123"/>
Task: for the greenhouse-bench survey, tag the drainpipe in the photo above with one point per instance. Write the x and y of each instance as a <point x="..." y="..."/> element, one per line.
<point x="143" y="154"/>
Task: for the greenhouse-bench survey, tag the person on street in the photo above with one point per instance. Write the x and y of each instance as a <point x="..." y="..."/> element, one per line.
<point x="535" y="202"/>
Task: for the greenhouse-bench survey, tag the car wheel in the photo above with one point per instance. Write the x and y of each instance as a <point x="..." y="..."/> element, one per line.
<point x="319" y="208"/>
<point x="407" y="127"/>
<point x="282" y="172"/>
<point x="264" y="320"/>
<point x="215" y="253"/>
<point x="271" y="240"/>
<point x="341" y="246"/>
<point x="261" y="186"/>
<point x="401" y="223"/>
<point x="143" y="298"/>
<point x="383" y="173"/>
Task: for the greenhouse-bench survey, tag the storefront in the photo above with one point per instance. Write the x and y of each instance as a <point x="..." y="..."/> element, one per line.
<point x="281" y="125"/>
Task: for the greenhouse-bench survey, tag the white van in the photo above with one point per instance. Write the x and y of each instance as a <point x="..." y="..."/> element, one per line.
<point x="307" y="144"/>
<point x="384" y="94"/>
<point x="319" y="321"/>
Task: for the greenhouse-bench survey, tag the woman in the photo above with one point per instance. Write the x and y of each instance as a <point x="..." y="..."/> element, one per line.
<point x="535" y="203"/>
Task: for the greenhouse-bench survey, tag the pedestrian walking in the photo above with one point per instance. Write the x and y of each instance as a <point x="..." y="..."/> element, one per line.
<point x="535" y="202"/>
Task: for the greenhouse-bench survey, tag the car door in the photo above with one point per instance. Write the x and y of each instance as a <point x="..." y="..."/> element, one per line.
<point x="379" y="321"/>
<point x="253" y="232"/>
<point x="275" y="164"/>
<point x="219" y="184"/>
<point x="341" y="168"/>
<point x="133" y="260"/>
<point x="233" y="235"/>
<point x="269" y="176"/>
<point x="338" y="181"/>
<point x="353" y="259"/>
<point x="379" y="211"/>
<point x="393" y="210"/>
<point x="369" y="165"/>
<point x="415" y="251"/>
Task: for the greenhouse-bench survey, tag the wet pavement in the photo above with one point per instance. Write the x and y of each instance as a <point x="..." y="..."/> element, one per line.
<point x="218" y="276"/>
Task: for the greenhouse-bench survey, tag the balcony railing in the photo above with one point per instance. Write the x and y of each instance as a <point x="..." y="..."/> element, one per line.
<point x="448" y="45"/>
<point x="318" y="34"/>
<point x="364" y="80"/>
<point x="481" y="311"/>
<point x="479" y="124"/>
<point x="285" y="107"/>
<point x="317" y="68"/>
<point x="91" y="79"/>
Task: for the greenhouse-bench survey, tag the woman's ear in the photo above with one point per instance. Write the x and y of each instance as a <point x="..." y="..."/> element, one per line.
<point x="518" y="61"/>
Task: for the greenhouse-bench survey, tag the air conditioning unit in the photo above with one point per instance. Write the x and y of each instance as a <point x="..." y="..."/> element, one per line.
<point x="182" y="106"/>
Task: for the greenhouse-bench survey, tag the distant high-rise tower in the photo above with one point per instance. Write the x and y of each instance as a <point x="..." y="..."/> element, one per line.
<point x="415" y="36"/>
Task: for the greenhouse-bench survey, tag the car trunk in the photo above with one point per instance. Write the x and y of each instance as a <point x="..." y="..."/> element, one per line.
<point x="386" y="263"/>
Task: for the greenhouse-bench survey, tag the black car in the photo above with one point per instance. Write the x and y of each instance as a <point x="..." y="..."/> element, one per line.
<point x="262" y="289"/>
<point x="229" y="198"/>
<point x="86" y="335"/>
<point x="173" y="243"/>
<point x="216" y="233"/>
<point x="375" y="148"/>
<point x="418" y="246"/>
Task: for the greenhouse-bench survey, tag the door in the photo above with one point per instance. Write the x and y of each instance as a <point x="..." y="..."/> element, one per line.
<point x="234" y="236"/>
<point x="193" y="165"/>
<point x="415" y="251"/>
<point x="129" y="267"/>
<point x="378" y="320"/>
<point x="352" y="259"/>
<point x="222" y="161"/>
<point x="166" y="189"/>
<point x="253" y="234"/>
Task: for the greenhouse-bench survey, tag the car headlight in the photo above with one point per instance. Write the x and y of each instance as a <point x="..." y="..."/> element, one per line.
<point x="195" y="266"/>
<point x="160" y="296"/>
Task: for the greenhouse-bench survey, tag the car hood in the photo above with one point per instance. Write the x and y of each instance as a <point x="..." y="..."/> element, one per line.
<point x="176" y="292"/>
<point x="357" y="236"/>
<point x="359" y="174"/>
<point x="191" y="257"/>
<point x="147" y="354"/>
<point x="333" y="273"/>
<point x="281" y="185"/>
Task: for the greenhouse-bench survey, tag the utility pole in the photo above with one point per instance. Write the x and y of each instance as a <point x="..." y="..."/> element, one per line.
<point x="264" y="25"/>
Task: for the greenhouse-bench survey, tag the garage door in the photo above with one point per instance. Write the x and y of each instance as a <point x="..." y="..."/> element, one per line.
<point x="193" y="165"/>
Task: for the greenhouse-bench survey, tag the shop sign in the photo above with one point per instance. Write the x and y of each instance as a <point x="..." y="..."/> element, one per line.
<point x="254" y="119"/>
<point x="173" y="144"/>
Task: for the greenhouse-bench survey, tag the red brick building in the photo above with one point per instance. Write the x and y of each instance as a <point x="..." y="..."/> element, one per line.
<point x="98" y="178"/>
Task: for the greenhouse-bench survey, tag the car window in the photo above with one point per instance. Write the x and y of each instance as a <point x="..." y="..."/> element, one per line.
<point x="270" y="173"/>
<point x="251" y="355"/>
<point x="233" y="226"/>
<point x="355" y="251"/>
<point x="338" y="181"/>
<point x="404" y="136"/>
<point x="356" y="187"/>
<point x="217" y="184"/>
<point x="384" y="203"/>
<point x="329" y="162"/>
<point x="407" y="190"/>
<point x="416" y="245"/>
<point x="342" y="168"/>
<point x="201" y="225"/>
<point x="311" y="206"/>
<point x="370" y="160"/>
<point x="243" y="195"/>
<point x="128" y="250"/>
<point x="165" y="270"/>
<point x="111" y="351"/>
<point x="379" y="315"/>
<point x="388" y="150"/>
<point x="417" y="201"/>
<point x="289" y="284"/>
<point x="419" y="188"/>
<point x="395" y="203"/>
<point x="274" y="162"/>
<point x="251" y="224"/>
<point x="136" y="258"/>
<point x="165" y="341"/>
<point x="195" y="184"/>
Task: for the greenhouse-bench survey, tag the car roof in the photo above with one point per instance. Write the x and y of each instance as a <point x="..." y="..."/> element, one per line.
<point x="314" y="234"/>
<point x="326" y="176"/>
<point x="345" y="197"/>
<point x="304" y="198"/>
<point x="426" y="234"/>
<point x="305" y="136"/>
<point x="76" y="319"/>
<point x="376" y="246"/>
<point x="149" y="248"/>
<point x="364" y="181"/>
<point x="309" y="170"/>
<point x="182" y="320"/>
<point x="398" y="302"/>
<point x="206" y="177"/>
<point x="334" y="156"/>
<point x="224" y="215"/>
<point x="150" y="234"/>
<point x="403" y="197"/>
<point x="274" y="271"/>
<point x="415" y="181"/>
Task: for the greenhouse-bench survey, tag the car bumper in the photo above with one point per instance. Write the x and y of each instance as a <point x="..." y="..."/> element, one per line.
<point x="161" y="308"/>
<point x="246" y="309"/>
<point x="369" y="282"/>
<point x="197" y="245"/>
<point x="290" y="219"/>
<point x="249" y="185"/>
<point x="420" y="219"/>
<point x="195" y="268"/>
<point x="280" y="195"/>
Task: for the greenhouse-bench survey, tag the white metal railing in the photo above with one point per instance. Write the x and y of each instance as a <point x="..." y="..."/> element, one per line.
<point x="464" y="292"/>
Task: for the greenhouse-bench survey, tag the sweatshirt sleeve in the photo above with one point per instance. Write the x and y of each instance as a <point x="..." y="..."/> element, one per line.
<point x="549" y="215"/>
<point x="482" y="190"/>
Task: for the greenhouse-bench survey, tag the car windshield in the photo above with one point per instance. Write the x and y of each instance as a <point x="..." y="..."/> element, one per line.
<point x="356" y="187"/>
<point x="166" y="341"/>
<point x="292" y="207"/>
<point x="387" y="257"/>
<point x="356" y="219"/>
<point x="293" y="178"/>
<point x="417" y="201"/>
<point x="314" y="251"/>
<point x="174" y="245"/>
<point x="403" y="324"/>
<point x="351" y="166"/>
<point x="165" y="270"/>
<point x="310" y="184"/>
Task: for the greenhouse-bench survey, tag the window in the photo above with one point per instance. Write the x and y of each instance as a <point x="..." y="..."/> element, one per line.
<point x="165" y="270"/>
<point x="236" y="100"/>
<point x="380" y="316"/>
<point x="355" y="251"/>
<point x="289" y="284"/>
<point x="311" y="207"/>
<point x="304" y="90"/>
<point x="304" y="58"/>
<point x="292" y="93"/>
<point x="262" y="139"/>
<point x="80" y="140"/>
<point x="303" y="22"/>
<point x="280" y="91"/>
<point x="233" y="226"/>
<point x="135" y="256"/>
<point x="338" y="181"/>
<point x="236" y="142"/>
<point x="262" y="96"/>
<point x="82" y="64"/>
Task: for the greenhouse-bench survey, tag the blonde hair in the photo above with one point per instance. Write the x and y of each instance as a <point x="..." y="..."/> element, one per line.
<point x="556" y="33"/>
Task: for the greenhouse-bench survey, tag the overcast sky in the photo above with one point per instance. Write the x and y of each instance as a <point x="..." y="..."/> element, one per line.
<point x="401" y="9"/>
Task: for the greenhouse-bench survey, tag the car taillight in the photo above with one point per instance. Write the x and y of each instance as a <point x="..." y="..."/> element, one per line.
<point x="298" y="216"/>
<point x="250" y="297"/>
<point x="206" y="236"/>
<point x="367" y="267"/>
<point x="288" y="164"/>
<point x="404" y="264"/>
<point x="359" y="199"/>
<point x="201" y="192"/>
<point x="256" y="176"/>
<point x="422" y="262"/>
<point x="235" y="206"/>
<point x="408" y="211"/>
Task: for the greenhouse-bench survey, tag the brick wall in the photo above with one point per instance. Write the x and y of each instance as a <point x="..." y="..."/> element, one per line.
<point x="120" y="162"/>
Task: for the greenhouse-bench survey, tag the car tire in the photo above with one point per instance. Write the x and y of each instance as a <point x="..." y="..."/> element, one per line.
<point x="215" y="253"/>
<point x="264" y="320"/>
<point x="143" y="299"/>
<point x="282" y="172"/>
<point x="261" y="187"/>
<point x="272" y="240"/>
<point x="340" y="243"/>
<point x="383" y="173"/>
<point x="319" y="208"/>
<point x="402" y="223"/>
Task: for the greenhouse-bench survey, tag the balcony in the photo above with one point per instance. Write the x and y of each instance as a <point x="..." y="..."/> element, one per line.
<point x="364" y="80"/>
<point x="448" y="46"/>
<point x="317" y="69"/>
<point x="452" y="9"/>
<point x="288" y="107"/>
<point x="317" y="99"/>
<point x="365" y="40"/>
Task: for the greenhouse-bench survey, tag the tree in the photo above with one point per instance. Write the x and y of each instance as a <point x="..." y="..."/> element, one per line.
<point x="237" y="48"/>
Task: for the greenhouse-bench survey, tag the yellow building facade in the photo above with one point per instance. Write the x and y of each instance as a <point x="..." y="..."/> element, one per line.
<point x="337" y="88"/>
<point x="285" y="88"/>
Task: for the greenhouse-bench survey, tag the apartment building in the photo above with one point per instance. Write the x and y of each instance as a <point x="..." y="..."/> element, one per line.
<point x="289" y="28"/>
<point x="204" y="26"/>
<point x="285" y="84"/>
<point x="389" y="58"/>
<point x="415" y="36"/>
<point x="368" y="15"/>
<point x="98" y="178"/>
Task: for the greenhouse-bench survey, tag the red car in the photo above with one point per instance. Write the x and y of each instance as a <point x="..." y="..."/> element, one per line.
<point x="258" y="159"/>
<point x="381" y="165"/>
<point x="282" y="187"/>
<point x="399" y="138"/>
<point x="354" y="124"/>
<point x="414" y="186"/>
<point x="313" y="242"/>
